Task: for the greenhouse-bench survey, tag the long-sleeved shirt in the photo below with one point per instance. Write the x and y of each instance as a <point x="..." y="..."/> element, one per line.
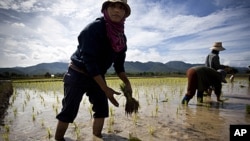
<point x="208" y="77"/>
<point x="213" y="61"/>
<point x="94" y="53"/>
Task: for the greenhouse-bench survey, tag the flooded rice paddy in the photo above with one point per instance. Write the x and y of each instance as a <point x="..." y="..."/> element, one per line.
<point x="33" y="107"/>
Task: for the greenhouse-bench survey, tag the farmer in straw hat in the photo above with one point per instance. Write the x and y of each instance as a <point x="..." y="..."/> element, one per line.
<point x="101" y="44"/>
<point x="200" y="78"/>
<point x="213" y="60"/>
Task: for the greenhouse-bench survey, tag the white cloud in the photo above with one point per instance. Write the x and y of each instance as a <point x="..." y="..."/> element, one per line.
<point x="28" y="4"/>
<point x="46" y="31"/>
<point x="18" y="25"/>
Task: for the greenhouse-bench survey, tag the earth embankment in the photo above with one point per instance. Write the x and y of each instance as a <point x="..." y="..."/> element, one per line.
<point x="6" y="90"/>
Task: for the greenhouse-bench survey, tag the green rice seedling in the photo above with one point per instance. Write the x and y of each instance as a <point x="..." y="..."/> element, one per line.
<point x="84" y="101"/>
<point x="165" y="97"/>
<point x="57" y="99"/>
<point x="152" y="96"/>
<point x="111" y="111"/>
<point x="110" y="124"/>
<point x="78" y="134"/>
<point x="10" y="121"/>
<point x="109" y="129"/>
<point x="7" y="128"/>
<point x="151" y="130"/>
<point x="181" y="90"/>
<point x="156" y="99"/>
<point x="208" y="105"/>
<point x="56" y="110"/>
<point x="77" y="130"/>
<point x="177" y="112"/>
<point x="15" y="112"/>
<point x="156" y="110"/>
<point x="136" y="94"/>
<point x="132" y="105"/>
<point x="135" y="118"/>
<point x="123" y="103"/>
<point x="49" y="134"/>
<point x="27" y="97"/>
<point x="13" y="98"/>
<point x="25" y="103"/>
<point x="5" y="137"/>
<point x="185" y="103"/>
<point x="23" y="107"/>
<point x="132" y="138"/>
<point x="75" y="125"/>
<point x="42" y="99"/>
<point x="112" y="120"/>
<point x="90" y="111"/>
<point x="147" y="99"/>
<point x="53" y="106"/>
<point x="42" y="122"/>
<point x="33" y="117"/>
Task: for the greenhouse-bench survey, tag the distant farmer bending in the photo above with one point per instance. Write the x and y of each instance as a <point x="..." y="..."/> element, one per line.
<point x="201" y="78"/>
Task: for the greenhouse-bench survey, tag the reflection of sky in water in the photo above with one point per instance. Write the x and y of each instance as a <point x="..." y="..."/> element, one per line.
<point x="237" y="88"/>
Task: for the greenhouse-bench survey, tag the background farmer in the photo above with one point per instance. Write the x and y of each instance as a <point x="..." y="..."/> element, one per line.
<point x="201" y="78"/>
<point x="213" y="60"/>
<point x="101" y="44"/>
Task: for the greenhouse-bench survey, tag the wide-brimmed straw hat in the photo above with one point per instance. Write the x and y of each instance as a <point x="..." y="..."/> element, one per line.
<point x="124" y="2"/>
<point x="217" y="46"/>
<point x="223" y="75"/>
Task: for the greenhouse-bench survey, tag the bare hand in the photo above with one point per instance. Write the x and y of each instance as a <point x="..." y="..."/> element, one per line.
<point x="110" y="95"/>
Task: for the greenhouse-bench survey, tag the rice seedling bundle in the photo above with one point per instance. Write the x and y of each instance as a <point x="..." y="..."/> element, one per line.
<point x="132" y="105"/>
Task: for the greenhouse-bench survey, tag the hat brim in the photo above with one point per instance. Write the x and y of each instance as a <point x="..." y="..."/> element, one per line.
<point x="127" y="10"/>
<point x="218" y="48"/>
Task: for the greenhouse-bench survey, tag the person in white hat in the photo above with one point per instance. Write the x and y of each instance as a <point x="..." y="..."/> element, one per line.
<point x="213" y="59"/>
<point x="101" y="44"/>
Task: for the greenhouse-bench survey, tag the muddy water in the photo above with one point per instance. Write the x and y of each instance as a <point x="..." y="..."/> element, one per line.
<point x="31" y="115"/>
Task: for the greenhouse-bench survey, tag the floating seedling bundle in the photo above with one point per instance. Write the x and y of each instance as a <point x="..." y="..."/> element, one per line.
<point x="132" y="105"/>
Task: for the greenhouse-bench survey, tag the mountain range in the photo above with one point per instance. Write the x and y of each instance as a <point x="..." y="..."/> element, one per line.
<point x="131" y="67"/>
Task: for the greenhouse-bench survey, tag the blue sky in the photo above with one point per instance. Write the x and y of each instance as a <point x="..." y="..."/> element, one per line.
<point x="43" y="31"/>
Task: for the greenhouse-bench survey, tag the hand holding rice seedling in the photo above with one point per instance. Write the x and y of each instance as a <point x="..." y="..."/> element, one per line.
<point x="132" y="105"/>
